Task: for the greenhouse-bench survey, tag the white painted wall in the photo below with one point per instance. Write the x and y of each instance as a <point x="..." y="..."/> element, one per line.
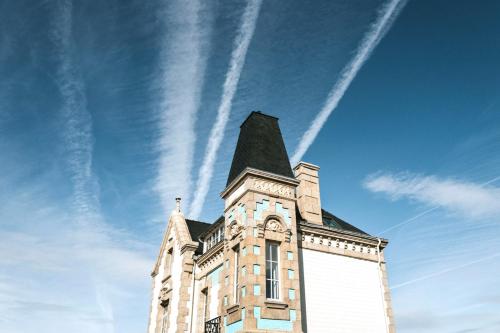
<point x="198" y="299"/>
<point x="214" y="301"/>
<point x="342" y="294"/>
<point x="176" y="281"/>
<point x="156" y="293"/>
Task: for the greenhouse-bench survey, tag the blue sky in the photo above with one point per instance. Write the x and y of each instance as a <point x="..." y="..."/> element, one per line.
<point x="107" y="112"/>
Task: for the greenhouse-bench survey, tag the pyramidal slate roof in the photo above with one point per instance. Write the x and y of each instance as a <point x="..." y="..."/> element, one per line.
<point x="260" y="146"/>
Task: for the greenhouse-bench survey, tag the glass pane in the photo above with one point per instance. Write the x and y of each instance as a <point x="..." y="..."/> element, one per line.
<point x="274" y="252"/>
<point x="268" y="270"/>
<point x="275" y="289"/>
<point x="274" y="271"/>
<point x="268" y="289"/>
<point x="268" y="245"/>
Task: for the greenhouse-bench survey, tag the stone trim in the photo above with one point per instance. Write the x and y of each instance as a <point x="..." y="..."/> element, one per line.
<point x="260" y="174"/>
<point x="210" y="259"/>
<point x="387" y="298"/>
<point x="338" y="246"/>
<point x="307" y="164"/>
<point x="306" y="227"/>
<point x="185" y="297"/>
<point x="272" y="227"/>
<point x="199" y="323"/>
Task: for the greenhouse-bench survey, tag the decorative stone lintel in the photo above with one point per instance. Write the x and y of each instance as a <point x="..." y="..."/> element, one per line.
<point x="275" y="304"/>
<point x="233" y="308"/>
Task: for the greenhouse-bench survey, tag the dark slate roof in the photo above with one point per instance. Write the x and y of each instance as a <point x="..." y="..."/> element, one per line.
<point x="334" y="222"/>
<point x="196" y="228"/>
<point x="260" y="146"/>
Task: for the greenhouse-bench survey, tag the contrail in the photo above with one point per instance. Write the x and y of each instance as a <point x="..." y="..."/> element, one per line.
<point x="237" y="61"/>
<point x="77" y="120"/>
<point x="411" y="219"/>
<point x="408" y="221"/>
<point x="182" y="71"/>
<point x="444" y="271"/>
<point x="386" y="16"/>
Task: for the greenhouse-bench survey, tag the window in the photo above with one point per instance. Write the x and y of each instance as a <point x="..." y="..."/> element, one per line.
<point x="272" y="270"/>
<point x="205" y="304"/>
<point x="236" y="270"/>
<point x="164" y="319"/>
<point x="170" y="256"/>
<point x="214" y="238"/>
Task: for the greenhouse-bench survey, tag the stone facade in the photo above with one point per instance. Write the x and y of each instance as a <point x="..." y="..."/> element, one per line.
<point x="260" y="207"/>
<point x="275" y="261"/>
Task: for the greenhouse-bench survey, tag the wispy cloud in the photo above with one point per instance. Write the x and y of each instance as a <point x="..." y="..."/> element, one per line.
<point x="182" y="69"/>
<point x="76" y="119"/>
<point x="445" y="271"/>
<point x="70" y="251"/>
<point x="101" y="268"/>
<point x="386" y="16"/>
<point x="472" y="200"/>
<point x="238" y="55"/>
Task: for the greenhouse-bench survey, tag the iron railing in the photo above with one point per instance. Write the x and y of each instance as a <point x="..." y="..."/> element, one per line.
<point x="213" y="325"/>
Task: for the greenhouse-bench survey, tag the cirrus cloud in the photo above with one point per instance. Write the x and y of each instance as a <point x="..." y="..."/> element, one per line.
<point x="469" y="199"/>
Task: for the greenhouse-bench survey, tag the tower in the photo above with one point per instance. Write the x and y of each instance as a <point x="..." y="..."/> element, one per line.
<point x="261" y="273"/>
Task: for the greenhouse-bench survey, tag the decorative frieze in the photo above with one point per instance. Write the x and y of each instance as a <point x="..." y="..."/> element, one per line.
<point x="210" y="260"/>
<point x="340" y="244"/>
<point x="274" y="188"/>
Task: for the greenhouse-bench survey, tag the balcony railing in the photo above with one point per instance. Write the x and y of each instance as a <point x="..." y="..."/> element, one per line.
<point x="213" y="325"/>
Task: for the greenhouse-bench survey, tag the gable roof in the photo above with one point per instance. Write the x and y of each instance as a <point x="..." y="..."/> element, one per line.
<point x="260" y="146"/>
<point x="334" y="222"/>
<point x="177" y="224"/>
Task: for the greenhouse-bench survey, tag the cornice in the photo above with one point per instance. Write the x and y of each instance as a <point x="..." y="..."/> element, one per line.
<point x="306" y="227"/>
<point x="210" y="253"/>
<point x="261" y="174"/>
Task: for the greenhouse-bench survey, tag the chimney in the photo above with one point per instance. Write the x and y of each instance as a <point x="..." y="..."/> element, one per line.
<point x="308" y="199"/>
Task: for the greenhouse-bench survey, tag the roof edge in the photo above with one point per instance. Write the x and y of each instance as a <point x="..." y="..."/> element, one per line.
<point x="259" y="113"/>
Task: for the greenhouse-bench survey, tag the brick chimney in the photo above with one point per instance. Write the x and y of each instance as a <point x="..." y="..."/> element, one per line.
<point x="308" y="199"/>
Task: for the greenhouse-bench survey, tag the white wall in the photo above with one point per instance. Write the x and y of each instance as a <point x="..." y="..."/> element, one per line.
<point x="342" y="294"/>
<point x="213" y="308"/>
<point x="156" y="293"/>
<point x="176" y="284"/>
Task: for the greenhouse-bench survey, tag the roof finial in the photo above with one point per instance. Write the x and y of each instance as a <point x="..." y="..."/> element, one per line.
<point x="178" y="205"/>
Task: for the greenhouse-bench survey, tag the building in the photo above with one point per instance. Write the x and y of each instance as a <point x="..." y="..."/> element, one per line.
<point x="275" y="261"/>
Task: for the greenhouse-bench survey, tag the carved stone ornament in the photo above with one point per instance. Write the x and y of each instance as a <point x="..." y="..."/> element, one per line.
<point x="165" y="294"/>
<point x="274" y="225"/>
<point x="274" y="188"/>
<point x="274" y="228"/>
<point x="234" y="229"/>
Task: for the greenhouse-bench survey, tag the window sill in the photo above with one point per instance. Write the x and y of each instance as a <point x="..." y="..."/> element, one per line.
<point x="275" y="304"/>
<point x="233" y="308"/>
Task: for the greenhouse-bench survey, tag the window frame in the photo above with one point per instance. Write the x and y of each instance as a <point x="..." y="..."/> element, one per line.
<point x="236" y="281"/>
<point x="273" y="292"/>
<point x="205" y="305"/>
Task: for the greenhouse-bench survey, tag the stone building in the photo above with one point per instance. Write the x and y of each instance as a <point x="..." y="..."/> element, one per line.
<point x="275" y="261"/>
